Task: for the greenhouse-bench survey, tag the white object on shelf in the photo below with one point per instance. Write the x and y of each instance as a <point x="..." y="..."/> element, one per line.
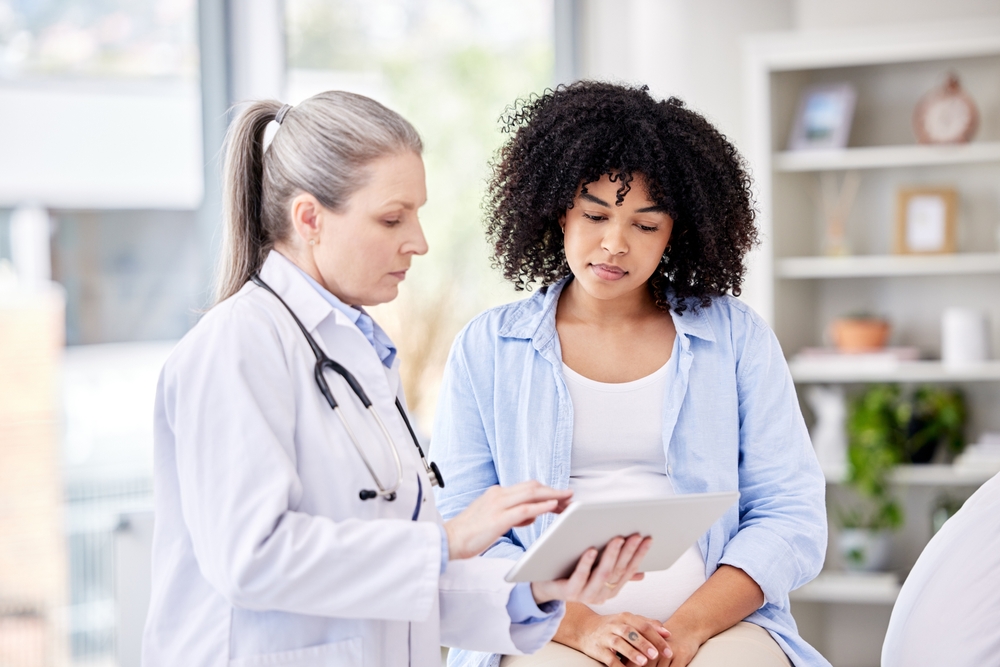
<point x="850" y="587"/>
<point x="829" y="433"/>
<point x="880" y="157"/>
<point x="965" y="336"/>
<point x="892" y="371"/>
<point x="862" y="266"/>
<point x="863" y="549"/>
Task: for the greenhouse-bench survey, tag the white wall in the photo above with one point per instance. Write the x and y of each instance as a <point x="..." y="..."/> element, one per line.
<point x="679" y="47"/>
<point x="833" y="14"/>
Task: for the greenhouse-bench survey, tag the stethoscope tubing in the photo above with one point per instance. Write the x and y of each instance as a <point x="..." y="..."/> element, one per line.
<point x="323" y="362"/>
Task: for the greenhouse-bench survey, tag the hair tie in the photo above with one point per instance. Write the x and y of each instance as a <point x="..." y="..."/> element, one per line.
<point x="280" y="116"/>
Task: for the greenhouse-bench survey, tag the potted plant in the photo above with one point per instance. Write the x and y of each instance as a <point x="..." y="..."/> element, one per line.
<point x="886" y="428"/>
<point x="875" y="442"/>
<point x="933" y="416"/>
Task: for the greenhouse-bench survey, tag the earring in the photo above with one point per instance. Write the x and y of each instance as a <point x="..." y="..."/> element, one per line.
<point x="312" y="241"/>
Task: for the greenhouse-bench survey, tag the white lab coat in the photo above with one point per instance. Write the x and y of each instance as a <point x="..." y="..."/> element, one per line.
<point x="263" y="554"/>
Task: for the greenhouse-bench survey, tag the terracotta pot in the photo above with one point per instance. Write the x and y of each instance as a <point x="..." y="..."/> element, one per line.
<point x="860" y="335"/>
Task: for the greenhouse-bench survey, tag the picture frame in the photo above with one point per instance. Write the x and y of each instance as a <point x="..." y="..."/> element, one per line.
<point x="823" y="117"/>
<point x="926" y="220"/>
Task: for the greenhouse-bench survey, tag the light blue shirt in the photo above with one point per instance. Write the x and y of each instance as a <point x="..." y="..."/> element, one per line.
<point x="731" y="421"/>
<point x="521" y="606"/>
<point x="378" y="338"/>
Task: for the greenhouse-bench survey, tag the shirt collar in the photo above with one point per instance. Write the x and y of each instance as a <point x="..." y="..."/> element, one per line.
<point x="534" y="318"/>
<point x="275" y="269"/>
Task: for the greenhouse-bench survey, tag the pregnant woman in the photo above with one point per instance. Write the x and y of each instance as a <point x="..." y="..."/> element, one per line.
<point x="632" y="372"/>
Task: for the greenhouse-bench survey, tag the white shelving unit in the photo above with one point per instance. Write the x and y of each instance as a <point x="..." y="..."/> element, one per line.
<point x="800" y="291"/>
<point x="846" y="371"/>
<point x="850" y="588"/>
<point x="934" y="475"/>
<point x="873" y="266"/>
<point x="883" y="157"/>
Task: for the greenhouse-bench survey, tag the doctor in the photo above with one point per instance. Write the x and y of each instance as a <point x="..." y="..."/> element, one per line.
<point x="295" y="524"/>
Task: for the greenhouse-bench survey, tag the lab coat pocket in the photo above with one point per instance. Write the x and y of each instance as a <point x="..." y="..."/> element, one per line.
<point x="345" y="652"/>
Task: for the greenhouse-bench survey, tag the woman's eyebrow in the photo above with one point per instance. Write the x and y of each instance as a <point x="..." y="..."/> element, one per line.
<point x="652" y="209"/>
<point x="591" y="198"/>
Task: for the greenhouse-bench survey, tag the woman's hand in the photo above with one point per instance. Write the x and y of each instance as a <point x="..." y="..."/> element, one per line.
<point x="618" y="565"/>
<point x="683" y="642"/>
<point x="641" y="640"/>
<point x="499" y="509"/>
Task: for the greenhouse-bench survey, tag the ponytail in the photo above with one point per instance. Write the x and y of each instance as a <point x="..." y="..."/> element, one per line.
<point x="245" y="241"/>
<point x="322" y="148"/>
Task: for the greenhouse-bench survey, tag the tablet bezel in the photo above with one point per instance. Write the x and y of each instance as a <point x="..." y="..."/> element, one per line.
<point x="674" y="522"/>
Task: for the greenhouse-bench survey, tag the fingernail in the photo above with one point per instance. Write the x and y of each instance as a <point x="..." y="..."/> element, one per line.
<point x="652" y="652"/>
<point x="640" y="660"/>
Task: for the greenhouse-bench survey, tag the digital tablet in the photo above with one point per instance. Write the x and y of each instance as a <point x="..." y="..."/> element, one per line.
<point x="674" y="523"/>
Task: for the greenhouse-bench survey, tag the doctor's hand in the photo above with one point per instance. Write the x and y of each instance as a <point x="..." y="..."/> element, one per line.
<point x="499" y="509"/>
<point x="619" y="563"/>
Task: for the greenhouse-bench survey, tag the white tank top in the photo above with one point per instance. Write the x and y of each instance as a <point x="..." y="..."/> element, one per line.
<point x="618" y="453"/>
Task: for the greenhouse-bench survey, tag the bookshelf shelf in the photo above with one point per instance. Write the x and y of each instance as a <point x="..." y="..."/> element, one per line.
<point x="885" y="157"/>
<point x="864" y="266"/>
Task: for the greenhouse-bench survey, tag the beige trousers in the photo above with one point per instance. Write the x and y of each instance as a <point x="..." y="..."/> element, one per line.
<point x="743" y="645"/>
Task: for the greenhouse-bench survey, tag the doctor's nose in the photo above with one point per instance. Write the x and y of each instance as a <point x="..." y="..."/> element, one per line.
<point x="417" y="243"/>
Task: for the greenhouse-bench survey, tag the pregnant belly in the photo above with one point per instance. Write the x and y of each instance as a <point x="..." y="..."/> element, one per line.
<point x="659" y="594"/>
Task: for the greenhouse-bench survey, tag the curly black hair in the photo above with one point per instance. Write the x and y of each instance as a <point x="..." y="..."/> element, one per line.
<point x="574" y="135"/>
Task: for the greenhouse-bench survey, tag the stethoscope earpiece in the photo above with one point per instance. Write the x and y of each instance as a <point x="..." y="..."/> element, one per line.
<point x="367" y="494"/>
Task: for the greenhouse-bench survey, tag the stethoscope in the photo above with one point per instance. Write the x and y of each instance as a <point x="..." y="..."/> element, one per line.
<point x="324" y="362"/>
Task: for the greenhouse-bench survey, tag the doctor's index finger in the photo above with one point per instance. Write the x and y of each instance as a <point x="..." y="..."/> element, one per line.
<point x="530" y="492"/>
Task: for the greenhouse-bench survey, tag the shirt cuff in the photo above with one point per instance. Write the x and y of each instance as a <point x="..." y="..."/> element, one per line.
<point x="444" y="548"/>
<point x="523" y="610"/>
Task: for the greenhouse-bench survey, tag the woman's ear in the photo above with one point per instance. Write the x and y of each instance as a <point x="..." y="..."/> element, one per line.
<point x="306" y="218"/>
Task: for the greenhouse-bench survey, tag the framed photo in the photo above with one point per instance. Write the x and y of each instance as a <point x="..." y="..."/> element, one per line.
<point x="925" y="220"/>
<point x="823" y="118"/>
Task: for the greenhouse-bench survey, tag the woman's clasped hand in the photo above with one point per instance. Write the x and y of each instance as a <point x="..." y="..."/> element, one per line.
<point x="617" y="638"/>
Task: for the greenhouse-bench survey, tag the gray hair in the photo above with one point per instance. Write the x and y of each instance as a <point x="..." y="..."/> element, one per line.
<point x="321" y="147"/>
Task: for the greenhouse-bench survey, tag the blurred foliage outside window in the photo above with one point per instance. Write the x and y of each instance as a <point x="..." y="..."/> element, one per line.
<point x="450" y="67"/>
<point x="99" y="39"/>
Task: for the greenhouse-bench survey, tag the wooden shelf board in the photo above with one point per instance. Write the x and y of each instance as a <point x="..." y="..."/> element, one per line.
<point x="843" y="371"/>
<point x="928" y="475"/>
<point x="881" y="157"/>
<point x="850" y="588"/>
<point x="861" y="266"/>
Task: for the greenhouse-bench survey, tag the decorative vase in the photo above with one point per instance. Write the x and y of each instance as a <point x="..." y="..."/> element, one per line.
<point x="854" y="335"/>
<point x="865" y="550"/>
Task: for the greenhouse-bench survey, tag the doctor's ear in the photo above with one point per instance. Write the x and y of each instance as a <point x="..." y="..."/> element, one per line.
<point x="306" y="217"/>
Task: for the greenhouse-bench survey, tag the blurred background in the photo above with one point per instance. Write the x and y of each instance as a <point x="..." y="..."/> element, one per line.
<point x="112" y="116"/>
